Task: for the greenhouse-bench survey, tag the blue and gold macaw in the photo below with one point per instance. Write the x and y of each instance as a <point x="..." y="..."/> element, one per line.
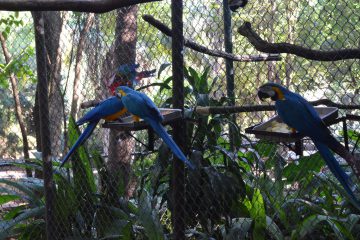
<point x="141" y="106"/>
<point x="300" y="115"/>
<point x="111" y="108"/>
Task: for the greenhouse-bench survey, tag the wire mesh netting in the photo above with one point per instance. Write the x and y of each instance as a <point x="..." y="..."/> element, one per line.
<point x="251" y="181"/>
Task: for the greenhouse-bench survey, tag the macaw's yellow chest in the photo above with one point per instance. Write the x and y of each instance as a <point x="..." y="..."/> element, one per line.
<point x="115" y="116"/>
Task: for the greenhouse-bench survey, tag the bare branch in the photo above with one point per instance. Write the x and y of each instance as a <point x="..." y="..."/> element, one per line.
<point x="95" y="6"/>
<point x="318" y="55"/>
<point x="216" y="53"/>
<point x="79" y="55"/>
<point x="257" y="108"/>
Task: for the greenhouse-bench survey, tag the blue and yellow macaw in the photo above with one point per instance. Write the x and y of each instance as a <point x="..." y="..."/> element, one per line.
<point x="110" y="109"/>
<point x="300" y="115"/>
<point x="141" y="106"/>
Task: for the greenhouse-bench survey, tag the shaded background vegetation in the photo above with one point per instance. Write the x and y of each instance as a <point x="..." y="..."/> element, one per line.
<point x="120" y="189"/>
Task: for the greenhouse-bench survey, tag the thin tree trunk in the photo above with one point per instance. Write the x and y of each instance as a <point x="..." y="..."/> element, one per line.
<point x="18" y="110"/>
<point x="79" y="55"/>
<point x="36" y="124"/>
<point x="121" y="145"/>
<point x="53" y="24"/>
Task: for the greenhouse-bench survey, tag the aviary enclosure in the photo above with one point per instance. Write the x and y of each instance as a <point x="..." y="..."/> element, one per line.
<point x="254" y="177"/>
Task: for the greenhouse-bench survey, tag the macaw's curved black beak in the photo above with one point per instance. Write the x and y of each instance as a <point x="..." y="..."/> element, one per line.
<point x="235" y="4"/>
<point x="266" y="92"/>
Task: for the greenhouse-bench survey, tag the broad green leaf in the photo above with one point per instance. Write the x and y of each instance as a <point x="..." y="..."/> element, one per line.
<point x="203" y="82"/>
<point x="30" y="195"/>
<point x="28" y="214"/>
<point x="305" y="166"/>
<point x="312" y="222"/>
<point x="8" y="198"/>
<point x="82" y="160"/>
<point x="149" y="218"/>
<point x="267" y="151"/>
<point x="162" y="68"/>
<point x="257" y="212"/>
<point x="238" y="229"/>
<point x="273" y="229"/>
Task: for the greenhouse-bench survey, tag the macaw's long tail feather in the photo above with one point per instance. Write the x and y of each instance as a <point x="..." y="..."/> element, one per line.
<point x="161" y="131"/>
<point x="82" y="120"/>
<point x="336" y="169"/>
<point x="82" y="138"/>
<point x="339" y="149"/>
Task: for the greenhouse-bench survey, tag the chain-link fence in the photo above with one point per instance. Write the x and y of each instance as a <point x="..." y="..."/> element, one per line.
<point x="251" y="181"/>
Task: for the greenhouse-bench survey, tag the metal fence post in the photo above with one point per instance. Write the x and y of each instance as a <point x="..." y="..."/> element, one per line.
<point x="178" y="188"/>
<point x="229" y="65"/>
<point x="44" y="124"/>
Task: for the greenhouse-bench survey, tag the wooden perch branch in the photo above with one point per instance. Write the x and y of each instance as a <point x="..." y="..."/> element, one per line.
<point x="95" y="6"/>
<point x="264" y="46"/>
<point x="216" y="53"/>
<point x="257" y="108"/>
<point x="239" y="109"/>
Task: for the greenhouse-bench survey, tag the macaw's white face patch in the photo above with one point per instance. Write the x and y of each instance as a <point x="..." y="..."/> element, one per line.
<point x="121" y="93"/>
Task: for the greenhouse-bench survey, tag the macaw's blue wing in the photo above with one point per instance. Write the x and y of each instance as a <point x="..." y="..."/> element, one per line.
<point x="105" y="109"/>
<point x="82" y="138"/>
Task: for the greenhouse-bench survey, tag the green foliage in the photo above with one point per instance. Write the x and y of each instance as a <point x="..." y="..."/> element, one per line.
<point x="303" y="168"/>
<point x="82" y="209"/>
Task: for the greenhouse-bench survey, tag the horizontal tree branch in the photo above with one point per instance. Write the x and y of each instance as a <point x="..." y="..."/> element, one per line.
<point x="239" y="109"/>
<point x="258" y="108"/>
<point x="318" y="55"/>
<point x="95" y="6"/>
<point x="216" y="53"/>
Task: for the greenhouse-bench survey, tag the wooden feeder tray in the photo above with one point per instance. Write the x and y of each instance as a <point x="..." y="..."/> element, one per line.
<point x="128" y="124"/>
<point x="327" y="114"/>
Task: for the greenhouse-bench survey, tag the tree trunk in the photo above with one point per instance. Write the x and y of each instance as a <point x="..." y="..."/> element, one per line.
<point x="18" y="110"/>
<point x="79" y="55"/>
<point x="36" y="124"/>
<point x="53" y="23"/>
<point x="121" y="145"/>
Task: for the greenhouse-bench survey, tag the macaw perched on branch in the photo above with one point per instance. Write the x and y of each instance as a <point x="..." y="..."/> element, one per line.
<point x="141" y="106"/>
<point x="110" y="109"/>
<point x="300" y="115"/>
<point x="127" y="75"/>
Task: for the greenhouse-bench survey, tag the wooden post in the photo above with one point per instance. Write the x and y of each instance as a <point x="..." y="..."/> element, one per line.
<point x="229" y="64"/>
<point x="178" y="187"/>
<point x="44" y="125"/>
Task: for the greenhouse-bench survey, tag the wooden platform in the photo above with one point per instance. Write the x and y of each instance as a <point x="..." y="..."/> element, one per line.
<point x="128" y="124"/>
